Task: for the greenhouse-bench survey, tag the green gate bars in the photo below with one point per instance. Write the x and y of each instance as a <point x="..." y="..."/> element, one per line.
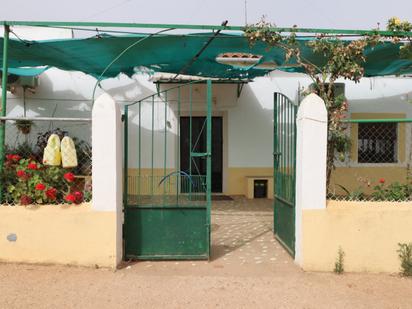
<point x="284" y="162"/>
<point x="167" y="184"/>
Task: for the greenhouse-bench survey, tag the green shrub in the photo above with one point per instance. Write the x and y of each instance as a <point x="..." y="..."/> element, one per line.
<point x="27" y="181"/>
<point x="339" y="264"/>
<point x="405" y="255"/>
<point x="356" y="195"/>
<point x="393" y="192"/>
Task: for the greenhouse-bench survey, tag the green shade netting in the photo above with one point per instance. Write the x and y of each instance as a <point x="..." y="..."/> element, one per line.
<point x="171" y="53"/>
<point x="29" y="72"/>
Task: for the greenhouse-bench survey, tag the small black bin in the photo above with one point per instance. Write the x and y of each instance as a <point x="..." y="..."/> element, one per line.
<point x="260" y="188"/>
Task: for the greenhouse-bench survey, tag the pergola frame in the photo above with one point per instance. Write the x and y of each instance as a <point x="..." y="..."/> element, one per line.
<point x="216" y="28"/>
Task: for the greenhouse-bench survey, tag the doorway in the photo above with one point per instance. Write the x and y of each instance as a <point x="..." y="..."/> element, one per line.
<point x="196" y="136"/>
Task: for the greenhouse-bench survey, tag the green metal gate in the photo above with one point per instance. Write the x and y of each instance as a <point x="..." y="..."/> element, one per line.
<point x="167" y="209"/>
<point x="284" y="162"/>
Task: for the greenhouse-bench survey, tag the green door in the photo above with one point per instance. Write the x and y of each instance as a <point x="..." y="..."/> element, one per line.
<point x="284" y="162"/>
<point x="167" y="208"/>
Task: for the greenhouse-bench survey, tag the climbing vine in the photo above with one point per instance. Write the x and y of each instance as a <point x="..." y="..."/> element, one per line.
<point x="341" y="59"/>
<point x="396" y="25"/>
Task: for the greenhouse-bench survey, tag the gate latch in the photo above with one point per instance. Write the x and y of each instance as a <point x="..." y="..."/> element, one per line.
<point x="200" y="154"/>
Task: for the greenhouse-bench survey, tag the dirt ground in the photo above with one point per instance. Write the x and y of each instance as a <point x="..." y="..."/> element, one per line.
<point x="248" y="269"/>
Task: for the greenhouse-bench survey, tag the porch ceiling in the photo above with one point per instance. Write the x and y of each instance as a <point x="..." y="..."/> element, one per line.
<point x="171" y="53"/>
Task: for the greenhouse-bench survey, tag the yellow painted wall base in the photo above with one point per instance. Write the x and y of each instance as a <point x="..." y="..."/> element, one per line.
<point x="368" y="232"/>
<point x="251" y="186"/>
<point x="74" y="235"/>
<point x="237" y="181"/>
<point x="353" y="178"/>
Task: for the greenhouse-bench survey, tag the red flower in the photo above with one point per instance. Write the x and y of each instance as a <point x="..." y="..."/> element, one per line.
<point x="32" y="166"/>
<point x="40" y="187"/>
<point x="13" y="157"/>
<point x="51" y="194"/>
<point x="70" y="198"/>
<point x="69" y="177"/>
<point x="16" y="158"/>
<point x="78" y="197"/>
<point x="21" y="174"/>
<point x="382" y="180"/>
<point x="25" y="200"/>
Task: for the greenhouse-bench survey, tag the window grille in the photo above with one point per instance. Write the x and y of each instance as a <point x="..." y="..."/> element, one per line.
<point x="377" y="143"/>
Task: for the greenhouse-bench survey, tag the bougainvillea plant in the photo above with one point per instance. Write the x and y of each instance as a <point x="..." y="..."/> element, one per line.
<point x="341" y="59"/>
<point x="29" y="182"/>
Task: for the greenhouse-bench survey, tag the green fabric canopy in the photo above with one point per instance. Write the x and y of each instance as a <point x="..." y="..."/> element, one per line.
<point x="29" y="72"/>
<point x="171" y="53"/>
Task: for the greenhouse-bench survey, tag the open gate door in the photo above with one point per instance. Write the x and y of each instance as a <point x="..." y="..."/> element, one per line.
<point x="167" y="209"/>
<point x="284" y="162"/>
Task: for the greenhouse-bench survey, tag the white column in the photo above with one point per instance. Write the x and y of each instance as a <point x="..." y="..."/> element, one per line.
<point x="107" y="162"/>
<point x="311" y="144"/>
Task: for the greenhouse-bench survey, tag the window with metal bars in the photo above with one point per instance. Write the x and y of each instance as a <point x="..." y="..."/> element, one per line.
<point x="377" y="142"/>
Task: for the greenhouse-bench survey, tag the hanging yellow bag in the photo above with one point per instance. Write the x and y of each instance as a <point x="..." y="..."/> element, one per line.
<point x="51" y="154"/>
<point x="68" y="151"/>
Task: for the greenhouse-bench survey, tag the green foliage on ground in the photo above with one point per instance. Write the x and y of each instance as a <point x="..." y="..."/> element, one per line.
<point x="339" y="264"/>
<point x="405" y="255"/>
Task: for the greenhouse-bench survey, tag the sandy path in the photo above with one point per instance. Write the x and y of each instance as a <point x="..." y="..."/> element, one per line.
<point x="26" y="286"/>
<point x="249" y="269"/>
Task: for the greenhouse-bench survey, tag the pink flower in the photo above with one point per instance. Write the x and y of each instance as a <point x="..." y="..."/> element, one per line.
<point x="40" y="187"/>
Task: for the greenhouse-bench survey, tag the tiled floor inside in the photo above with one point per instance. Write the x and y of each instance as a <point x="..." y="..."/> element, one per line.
<point x="242" y="233"/>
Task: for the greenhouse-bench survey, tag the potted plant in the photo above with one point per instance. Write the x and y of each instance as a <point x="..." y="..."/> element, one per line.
<point x="24" y="126"/>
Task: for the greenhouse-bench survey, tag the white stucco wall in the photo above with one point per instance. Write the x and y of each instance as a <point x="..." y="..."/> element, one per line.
<point x="248" y="129"/>
<point x="249" y="117"/>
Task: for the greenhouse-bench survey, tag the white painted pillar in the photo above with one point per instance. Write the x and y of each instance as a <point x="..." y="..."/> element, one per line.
<point x="311" y="144"/>
<point x="107" y="163"/>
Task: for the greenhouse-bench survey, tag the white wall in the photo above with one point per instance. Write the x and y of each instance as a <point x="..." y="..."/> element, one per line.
<point x="248" y="136"/>
<point x="250" y="118"/>
<point x="251" y="121"/>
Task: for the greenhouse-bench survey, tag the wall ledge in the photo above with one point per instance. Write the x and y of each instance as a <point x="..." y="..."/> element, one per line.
<point x="86" y="206"/>
<point x="332" y="204"/>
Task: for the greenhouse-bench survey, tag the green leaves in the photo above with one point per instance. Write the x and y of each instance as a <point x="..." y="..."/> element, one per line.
<point x="395" y="24"/>
<point x="405" y="255"/>
<point x="340" y="59"/>
<point x="27" y="181"/>
<point x="339" y="264"/>
<point x="393" y="192"/>
<point x="261" y="32"/>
